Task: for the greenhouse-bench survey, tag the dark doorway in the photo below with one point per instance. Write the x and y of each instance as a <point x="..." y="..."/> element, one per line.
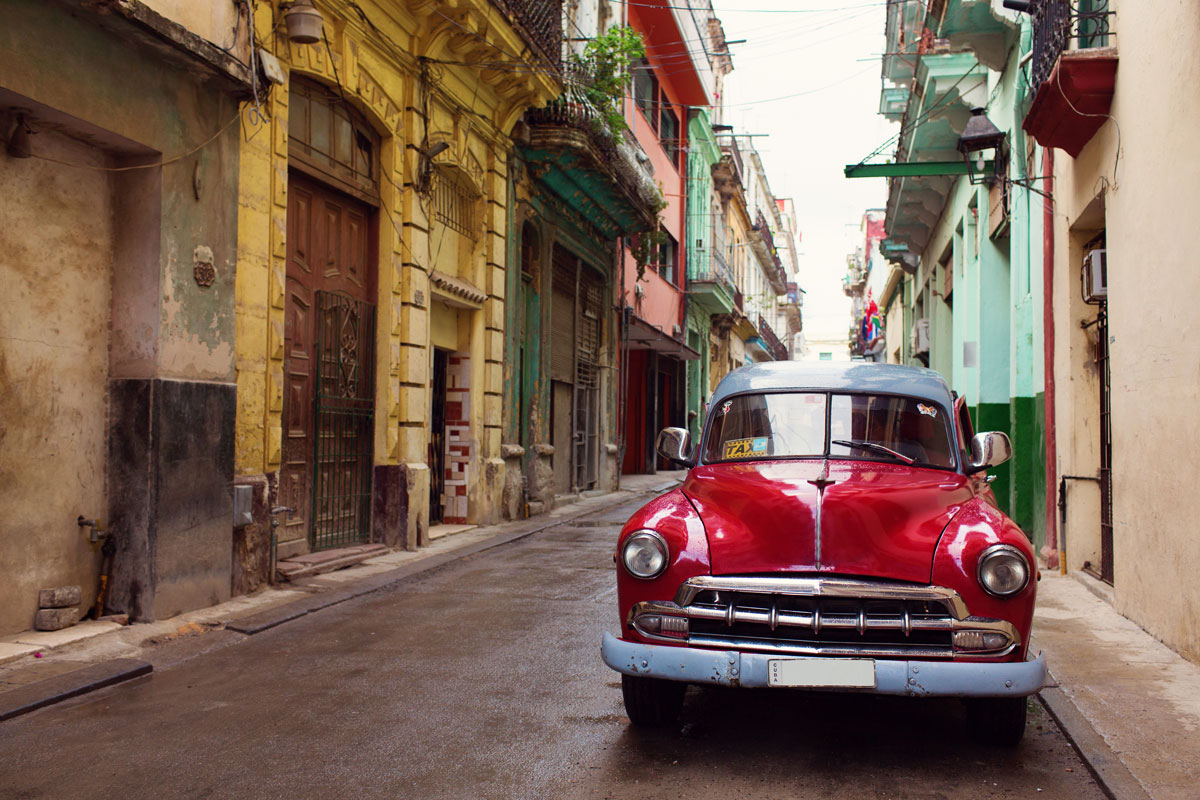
<point x="437" y="436"/>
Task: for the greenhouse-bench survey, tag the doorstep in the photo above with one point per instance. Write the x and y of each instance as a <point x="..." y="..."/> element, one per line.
<point x="309" y="564"/>
<point x="448" y="529"/>
<point x="21" y="644"/>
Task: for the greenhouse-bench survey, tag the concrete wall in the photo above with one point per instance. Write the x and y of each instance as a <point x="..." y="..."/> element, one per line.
<point x="163" y="353"/>
<point x="56" y="259"/>
<point x="1154" y="329"/>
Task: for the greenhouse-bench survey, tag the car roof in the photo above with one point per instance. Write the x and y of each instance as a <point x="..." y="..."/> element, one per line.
<point x="845" y="376"/>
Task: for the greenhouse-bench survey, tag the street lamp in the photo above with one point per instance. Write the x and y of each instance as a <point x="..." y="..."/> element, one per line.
<point x="980" y="142"/>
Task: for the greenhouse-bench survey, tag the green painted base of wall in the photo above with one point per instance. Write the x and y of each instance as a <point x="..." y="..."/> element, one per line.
<point x="1020" y="484"/>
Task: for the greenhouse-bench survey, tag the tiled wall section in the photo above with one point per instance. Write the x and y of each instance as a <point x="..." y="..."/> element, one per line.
<point x="458" y="437"/>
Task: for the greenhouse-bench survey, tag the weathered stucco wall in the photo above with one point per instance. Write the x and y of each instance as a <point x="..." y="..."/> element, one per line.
<point x="56" y="258"/>
<point x="1154" y="333"/>
<point x="165" y="342"/>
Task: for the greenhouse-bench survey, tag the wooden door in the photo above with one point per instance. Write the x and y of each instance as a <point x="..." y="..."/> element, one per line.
<point x="329" y="251"/>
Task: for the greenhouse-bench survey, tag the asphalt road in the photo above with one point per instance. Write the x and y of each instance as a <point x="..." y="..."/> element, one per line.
<point x="482" y="679"/>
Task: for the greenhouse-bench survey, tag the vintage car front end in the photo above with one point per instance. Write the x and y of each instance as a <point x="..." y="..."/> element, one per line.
<point x="827" y="572"/>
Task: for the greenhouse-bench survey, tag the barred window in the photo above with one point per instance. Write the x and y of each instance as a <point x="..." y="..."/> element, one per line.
<point x="454" y="202"/>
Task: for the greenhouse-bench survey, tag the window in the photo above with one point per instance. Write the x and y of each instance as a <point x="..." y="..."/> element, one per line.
<point x="760" y="426"/>
<point x="868" y="426"/>
<point x="454" y="202"/>
<point x="645" y="92"/>
<point x="668" y="131"/>
<point x="668" y="259"/>
<point x="658" y="110"/>
<point x="331" y="139"/>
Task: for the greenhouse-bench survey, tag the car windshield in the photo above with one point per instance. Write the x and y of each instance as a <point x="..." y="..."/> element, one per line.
<point x="807" y="424"/>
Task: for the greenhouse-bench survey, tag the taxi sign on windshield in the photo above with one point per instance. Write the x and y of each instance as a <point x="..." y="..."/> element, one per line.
<point x="746" y="448"/>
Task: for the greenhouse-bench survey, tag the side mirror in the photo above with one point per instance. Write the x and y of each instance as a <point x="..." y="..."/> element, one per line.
<point x="675" y="445"/>
<point x="989" y="450"/>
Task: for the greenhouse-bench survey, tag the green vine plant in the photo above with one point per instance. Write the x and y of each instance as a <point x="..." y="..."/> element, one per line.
<point x="606" y="62"/>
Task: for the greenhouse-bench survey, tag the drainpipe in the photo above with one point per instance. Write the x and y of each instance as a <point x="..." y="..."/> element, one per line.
<point x="1055" y="551"/>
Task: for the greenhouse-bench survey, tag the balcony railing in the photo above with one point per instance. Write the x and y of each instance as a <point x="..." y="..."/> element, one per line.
<point x="541" y="22"/>
<point x="774" y="346"/>
<point x="574" y="109"/>
<point x="1058" y="23"/>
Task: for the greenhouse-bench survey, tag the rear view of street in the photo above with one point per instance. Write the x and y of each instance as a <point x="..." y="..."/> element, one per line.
<point x="482" y="678"/>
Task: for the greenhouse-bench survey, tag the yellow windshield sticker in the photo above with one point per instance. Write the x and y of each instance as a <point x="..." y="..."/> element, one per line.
<point x="746" y="448"/>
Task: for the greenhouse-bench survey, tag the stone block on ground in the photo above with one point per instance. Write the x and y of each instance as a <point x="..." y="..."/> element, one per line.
<point x="60" y="597"/>
<point x="55" y="619"/>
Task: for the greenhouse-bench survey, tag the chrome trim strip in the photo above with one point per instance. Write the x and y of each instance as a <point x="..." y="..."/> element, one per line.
<point x="821" y="587"/>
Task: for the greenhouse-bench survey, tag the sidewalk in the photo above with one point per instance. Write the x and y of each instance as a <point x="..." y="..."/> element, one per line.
<point x="40" y="669"/>
<point x="1129" y="704"/>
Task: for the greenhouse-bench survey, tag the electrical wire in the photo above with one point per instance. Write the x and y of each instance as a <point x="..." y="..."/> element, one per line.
<point x="162" y="163"/>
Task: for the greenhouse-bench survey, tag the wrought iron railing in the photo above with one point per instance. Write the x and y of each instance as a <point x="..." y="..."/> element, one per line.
<point x="575" y="108"/>
<point x="541" y="22"/>
<point x="774" y="346"/>
<point x="1058" y="23"/>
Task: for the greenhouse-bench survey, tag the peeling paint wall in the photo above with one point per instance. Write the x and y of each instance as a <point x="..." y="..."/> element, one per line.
<point x="159" y="385"/>
<point x="56" y="258"/>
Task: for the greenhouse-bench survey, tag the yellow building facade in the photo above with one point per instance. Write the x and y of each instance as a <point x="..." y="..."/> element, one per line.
<point x="373" y="216"/>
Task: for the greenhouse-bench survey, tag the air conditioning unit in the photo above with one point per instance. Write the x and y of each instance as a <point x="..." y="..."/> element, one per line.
<point x="1095" y="276"/>
<point x="920" y="336"/>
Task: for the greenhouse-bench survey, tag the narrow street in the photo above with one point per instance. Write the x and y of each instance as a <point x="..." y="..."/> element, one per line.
<point x="483" y="679"/>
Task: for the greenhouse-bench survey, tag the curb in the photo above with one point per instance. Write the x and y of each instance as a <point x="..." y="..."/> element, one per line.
<point x="47" y="692"/>
<point x="22" y="700"/>
<point x="1106" y="767"/>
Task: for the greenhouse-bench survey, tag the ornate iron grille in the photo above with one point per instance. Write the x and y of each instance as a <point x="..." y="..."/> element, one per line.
<point x="345" y="414"/>
<point x="1057" y="22"/>
<point x="541" y="22"/>
<point x="453" y="203"/>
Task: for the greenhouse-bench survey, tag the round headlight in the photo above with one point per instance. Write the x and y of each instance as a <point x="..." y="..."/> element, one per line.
<point x="644" y="554"/>
<point x="1003" y="570"/>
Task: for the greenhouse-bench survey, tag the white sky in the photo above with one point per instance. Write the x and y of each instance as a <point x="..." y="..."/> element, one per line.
<point x="829" y="50"/>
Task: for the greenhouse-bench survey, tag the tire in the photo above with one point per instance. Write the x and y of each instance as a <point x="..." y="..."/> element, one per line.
<point x="997" y="720"/>
<point x="652" y="702"/>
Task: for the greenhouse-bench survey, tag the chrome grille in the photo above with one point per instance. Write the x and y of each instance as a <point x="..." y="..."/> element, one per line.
<point x="819" y="616"/>
<point x="769" y="621"/>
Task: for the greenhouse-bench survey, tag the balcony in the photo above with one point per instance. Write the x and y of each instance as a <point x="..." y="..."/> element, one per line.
<point x="710" y="280"/>
<point x="727" y="173"/>
<point x="540" y="22"/>
<point x="1074" y="69"/>
<point x="763" y="243"/>
<point x="775" y="347"/>
<point x="571" y="150"/>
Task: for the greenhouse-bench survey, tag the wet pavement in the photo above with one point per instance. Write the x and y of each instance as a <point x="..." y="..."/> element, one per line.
<point x="482" y="678"/>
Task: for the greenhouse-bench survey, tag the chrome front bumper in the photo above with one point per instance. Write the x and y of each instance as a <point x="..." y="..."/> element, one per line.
<point x="900" y="677"/>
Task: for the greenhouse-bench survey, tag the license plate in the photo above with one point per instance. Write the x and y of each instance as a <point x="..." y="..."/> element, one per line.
<point x="855" y="673"/>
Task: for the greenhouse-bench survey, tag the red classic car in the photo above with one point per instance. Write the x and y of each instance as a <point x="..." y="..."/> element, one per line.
<point x="836" y="531"/>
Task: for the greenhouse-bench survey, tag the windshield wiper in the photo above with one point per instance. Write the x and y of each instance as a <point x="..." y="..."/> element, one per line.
<point x="878" y="448"/>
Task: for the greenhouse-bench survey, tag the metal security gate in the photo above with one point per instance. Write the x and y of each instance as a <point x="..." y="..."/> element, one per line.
<point x="344" y="416"/>
<point x="586" y="435"/>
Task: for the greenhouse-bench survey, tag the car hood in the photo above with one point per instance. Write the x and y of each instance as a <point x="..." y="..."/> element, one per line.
<point x="879" y="520"/>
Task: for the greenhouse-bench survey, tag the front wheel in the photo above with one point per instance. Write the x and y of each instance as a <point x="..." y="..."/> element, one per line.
<point x="997" y="720"/>
<point x="652" y="702"/>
